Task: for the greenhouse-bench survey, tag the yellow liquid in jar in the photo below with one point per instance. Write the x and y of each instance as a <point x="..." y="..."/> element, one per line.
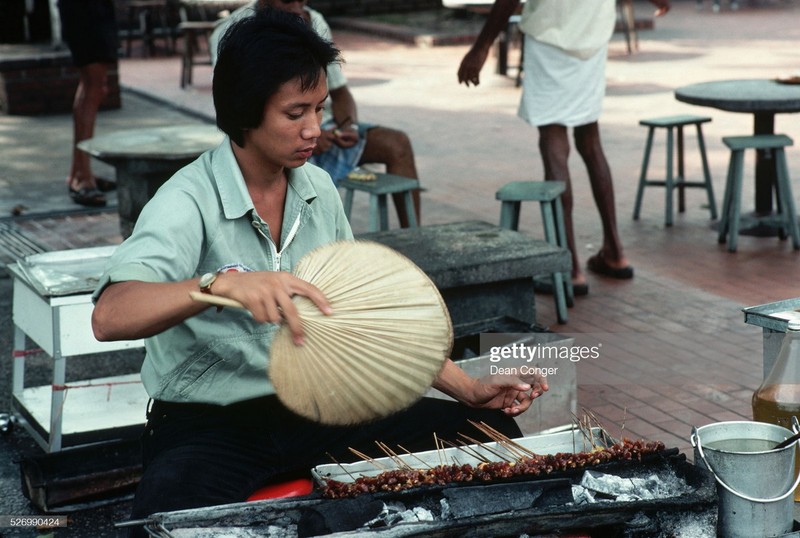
<point x="770" y="405"/>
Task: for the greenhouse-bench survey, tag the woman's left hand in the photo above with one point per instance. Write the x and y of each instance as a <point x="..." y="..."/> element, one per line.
<point x="510" y="394"/>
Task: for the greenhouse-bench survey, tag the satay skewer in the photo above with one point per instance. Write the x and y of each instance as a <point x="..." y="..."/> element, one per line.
<point x="367" y="458"/>
<point x="502" y="439"/>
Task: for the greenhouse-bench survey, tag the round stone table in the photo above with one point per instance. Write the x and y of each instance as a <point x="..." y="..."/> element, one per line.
<point x="763" y="98"/>
<point x="145" y="158"/>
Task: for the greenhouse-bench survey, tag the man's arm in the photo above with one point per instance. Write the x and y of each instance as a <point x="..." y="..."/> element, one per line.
<point x="343" y="106"/>
<point x="134" y="309"/>
<point x="662" y="6"/>
<point x="496" y="21"/>
<point x="509" y="394"/>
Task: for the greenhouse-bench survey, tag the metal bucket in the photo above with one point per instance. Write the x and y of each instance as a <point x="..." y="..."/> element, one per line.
<point x="755" y="484"/>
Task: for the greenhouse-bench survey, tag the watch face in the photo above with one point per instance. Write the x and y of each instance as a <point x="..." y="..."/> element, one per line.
<point x="207" y="279"/>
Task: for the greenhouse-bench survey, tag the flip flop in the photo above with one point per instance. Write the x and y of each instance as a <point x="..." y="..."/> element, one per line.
<point x="105" y="185"/>
<point x="597" y="264"/>
<point x="88" y="197"/>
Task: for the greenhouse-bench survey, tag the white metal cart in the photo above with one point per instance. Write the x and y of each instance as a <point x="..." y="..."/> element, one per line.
<point x="52" y="307"/>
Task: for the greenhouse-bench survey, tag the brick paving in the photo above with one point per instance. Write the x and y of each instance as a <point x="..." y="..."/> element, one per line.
<point x="682" y="355"/>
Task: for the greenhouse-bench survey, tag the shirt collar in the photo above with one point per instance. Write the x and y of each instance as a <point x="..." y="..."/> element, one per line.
<point x="233" y="194"/>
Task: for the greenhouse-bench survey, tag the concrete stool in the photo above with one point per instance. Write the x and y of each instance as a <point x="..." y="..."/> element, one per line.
<point x="377" y="189"/>
<point x="671" y="182"/>
<point x="732" y="201"/>
<point x="548" y="194"/>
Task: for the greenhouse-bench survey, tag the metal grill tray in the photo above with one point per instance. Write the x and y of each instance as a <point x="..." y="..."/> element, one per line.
<point x="551" y="443"/>
<point x="66" y="272"/>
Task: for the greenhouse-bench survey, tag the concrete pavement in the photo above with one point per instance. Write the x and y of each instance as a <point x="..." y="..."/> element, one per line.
<point x="683" y="355"/>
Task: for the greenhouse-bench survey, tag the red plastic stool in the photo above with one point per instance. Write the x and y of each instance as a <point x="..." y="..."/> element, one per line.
<point x="290" y="488"/>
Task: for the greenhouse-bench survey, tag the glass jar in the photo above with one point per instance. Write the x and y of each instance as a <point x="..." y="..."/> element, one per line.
<point x="777" y="400"/>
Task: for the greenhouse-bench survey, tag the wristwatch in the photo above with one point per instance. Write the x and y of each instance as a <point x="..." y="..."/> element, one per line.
<point x="206" y="281"/>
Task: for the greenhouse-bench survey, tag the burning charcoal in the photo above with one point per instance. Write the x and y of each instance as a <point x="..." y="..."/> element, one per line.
<point x="342" y="515"/>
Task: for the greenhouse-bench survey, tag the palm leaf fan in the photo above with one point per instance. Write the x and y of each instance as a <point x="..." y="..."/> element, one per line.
<point x="378" y="352"/>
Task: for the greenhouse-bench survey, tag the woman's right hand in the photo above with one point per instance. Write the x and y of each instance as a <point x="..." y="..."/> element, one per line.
<point x="268" y="296"/>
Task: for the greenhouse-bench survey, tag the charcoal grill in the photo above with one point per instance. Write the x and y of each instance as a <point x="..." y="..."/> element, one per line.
<point x="532" y="505"/>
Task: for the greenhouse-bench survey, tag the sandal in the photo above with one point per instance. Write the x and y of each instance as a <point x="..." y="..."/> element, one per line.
<point x="105" y="185"/>
<point x="598" y="264"/>
<point x="88" y="197"/>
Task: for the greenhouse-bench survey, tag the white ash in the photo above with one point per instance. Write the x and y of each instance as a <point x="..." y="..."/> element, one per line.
<point x="445" y="508"/>
<point x="394" y="513"/>
<point x="600" y="487"/>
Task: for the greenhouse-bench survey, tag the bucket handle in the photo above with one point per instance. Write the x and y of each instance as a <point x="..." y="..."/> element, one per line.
<point x="695" y="439"/>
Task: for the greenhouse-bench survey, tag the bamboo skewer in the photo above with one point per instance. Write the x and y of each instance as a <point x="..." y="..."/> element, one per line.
<point x="366" y="458"/>
<point x="502" y="439"/>
<point x="485" y="447"/>
<point x="415" y="456"/>
<point x="393" y="455"/>
<point x="342" y="467"/>
<point x="464" y="447"/>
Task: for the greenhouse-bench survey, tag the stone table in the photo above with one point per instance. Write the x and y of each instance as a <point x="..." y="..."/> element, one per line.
<point x="761" y="97"/>
<point x="145" y="158"/>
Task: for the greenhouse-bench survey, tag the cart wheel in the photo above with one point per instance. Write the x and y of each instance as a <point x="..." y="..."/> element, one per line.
<point x="7" y="423"/>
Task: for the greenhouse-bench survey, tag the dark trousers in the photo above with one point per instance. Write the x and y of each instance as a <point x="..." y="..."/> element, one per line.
<point x="198" y="455"/>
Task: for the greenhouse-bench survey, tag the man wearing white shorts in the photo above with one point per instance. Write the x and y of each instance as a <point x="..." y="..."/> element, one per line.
<point x="566" y="45"/>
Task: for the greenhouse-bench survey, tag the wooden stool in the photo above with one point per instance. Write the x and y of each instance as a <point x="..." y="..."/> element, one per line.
<point x="191" y="31"/>
<point x="732" y="201"/>
<point x="146" y="20"/>
<point x="671" y="182"/>
<point x="377" y="189"/>
<point x="548" y="194"/>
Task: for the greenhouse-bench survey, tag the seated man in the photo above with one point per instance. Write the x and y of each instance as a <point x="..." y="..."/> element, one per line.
<point x="345" y="143"/>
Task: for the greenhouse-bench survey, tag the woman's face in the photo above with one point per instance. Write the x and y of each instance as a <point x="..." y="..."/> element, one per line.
<point x="290" y="127"/>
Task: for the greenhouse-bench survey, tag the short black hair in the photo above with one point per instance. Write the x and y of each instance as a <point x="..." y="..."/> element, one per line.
<point x="256" y="56"/>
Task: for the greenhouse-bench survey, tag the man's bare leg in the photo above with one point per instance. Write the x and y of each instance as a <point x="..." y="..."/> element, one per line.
<point x="554" y="148"/>
<point x="589" y="146"/>
<point x="393" y="149"/>
<point x="92" y="88"/>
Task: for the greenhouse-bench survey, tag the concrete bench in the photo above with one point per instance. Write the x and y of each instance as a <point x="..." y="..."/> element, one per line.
<point x="483" y="271"/>
<point x="35" y="79"/>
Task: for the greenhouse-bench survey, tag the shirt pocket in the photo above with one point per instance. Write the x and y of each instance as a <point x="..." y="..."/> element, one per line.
<point x="225" y="371"/>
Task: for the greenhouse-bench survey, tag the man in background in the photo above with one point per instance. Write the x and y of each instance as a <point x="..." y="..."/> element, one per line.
<point x="345" y="142"/>
<point x="90" y="29"/>
<point x="566" y="46"/>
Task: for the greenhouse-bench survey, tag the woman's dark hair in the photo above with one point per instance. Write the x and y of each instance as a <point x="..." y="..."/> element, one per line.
<point x="256" y="56"/>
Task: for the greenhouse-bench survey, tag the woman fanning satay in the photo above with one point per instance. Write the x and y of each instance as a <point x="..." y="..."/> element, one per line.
<point x="234" y="223"/>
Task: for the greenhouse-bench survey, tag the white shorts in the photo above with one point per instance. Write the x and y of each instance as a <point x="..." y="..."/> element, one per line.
<point x="558" y="88"/>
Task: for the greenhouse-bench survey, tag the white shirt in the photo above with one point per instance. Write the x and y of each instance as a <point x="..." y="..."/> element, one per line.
<point x="578" y="27"/>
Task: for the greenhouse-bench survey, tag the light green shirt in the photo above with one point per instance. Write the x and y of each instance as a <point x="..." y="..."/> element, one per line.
<point x="203" y="220"/>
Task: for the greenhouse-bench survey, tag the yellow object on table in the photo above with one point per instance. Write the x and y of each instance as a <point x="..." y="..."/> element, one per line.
<point x="359" y="174"/>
